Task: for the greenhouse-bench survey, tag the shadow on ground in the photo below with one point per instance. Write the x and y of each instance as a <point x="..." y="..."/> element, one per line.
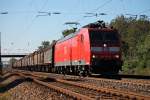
<point x="12" y="84"/>
<point x="6" y="77"/>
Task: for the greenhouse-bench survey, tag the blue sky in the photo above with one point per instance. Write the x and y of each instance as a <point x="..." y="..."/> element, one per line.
<point x="22" y="31"/>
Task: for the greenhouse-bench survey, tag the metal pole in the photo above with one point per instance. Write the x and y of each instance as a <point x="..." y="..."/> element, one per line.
<point x="0" y="56"/>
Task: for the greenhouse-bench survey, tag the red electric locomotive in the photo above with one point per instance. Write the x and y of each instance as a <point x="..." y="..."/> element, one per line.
<point x="94" y="48"/>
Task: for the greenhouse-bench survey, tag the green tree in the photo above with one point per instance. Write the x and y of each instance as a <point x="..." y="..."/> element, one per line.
<point x="12" y="61"/>
<point x="135" y="34"/>
<point x="44" y="44"/>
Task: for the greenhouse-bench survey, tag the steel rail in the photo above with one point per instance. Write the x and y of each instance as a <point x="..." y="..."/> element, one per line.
<point x="131" y="95"/>
<point x="135" y="82"/>
<point x="59" y="89"/>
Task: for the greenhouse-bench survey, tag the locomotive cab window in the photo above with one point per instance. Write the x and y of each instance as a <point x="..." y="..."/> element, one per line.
<point x="103" y="36"/>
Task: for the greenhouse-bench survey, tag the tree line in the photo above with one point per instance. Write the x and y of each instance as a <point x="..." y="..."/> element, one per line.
<point x="135" y="34"/>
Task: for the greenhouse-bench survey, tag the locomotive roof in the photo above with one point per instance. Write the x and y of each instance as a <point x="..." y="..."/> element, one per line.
<point x="103" y="29"/>
<point x="99" y="25"/>
<point x="68" y="36"/>
<point x="91" y="28"/>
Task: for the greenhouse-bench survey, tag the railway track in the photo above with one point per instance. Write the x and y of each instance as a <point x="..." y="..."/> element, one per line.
<point x="129" y="78"/>
<point x="128" y="85"/>
<point x="135" y="86"/>
<point x="56" y="88"/>
<point x="82" y="89"/>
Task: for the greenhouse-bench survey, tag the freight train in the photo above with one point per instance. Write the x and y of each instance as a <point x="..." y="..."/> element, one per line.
<point x="94" y="48"/>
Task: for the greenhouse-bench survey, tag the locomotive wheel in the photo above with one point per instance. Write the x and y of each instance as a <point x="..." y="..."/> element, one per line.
<point x="81" y="71"/>
<point x="60" y="70"/>
<point x="75" y="70"/>
<point x="68" y="70"/>
<point x="63" y="70"/>
<point x="49" y="69"/>
<point x="84" y="71"/>
<point x="116" y="71"/>
<point x="72" y="70"/>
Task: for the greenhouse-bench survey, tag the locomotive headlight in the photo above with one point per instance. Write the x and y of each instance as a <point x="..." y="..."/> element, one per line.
<point x="116" y="56"/>
<point x="105" y="45"/>
<point x="93" y="56"/>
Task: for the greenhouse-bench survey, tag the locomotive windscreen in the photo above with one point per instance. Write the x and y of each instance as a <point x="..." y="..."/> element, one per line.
<point x="103" y="36"/>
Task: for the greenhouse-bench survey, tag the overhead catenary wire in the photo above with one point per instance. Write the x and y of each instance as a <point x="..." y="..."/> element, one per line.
<point x="101" y="6"/>
<point x="35" y="16"/>
<point x="95" y="10"/>
<point x="123" y="5"/>
<point x="144" y="11"/>
<point x="28" y="27"/>
<point x="140" y="14"/>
